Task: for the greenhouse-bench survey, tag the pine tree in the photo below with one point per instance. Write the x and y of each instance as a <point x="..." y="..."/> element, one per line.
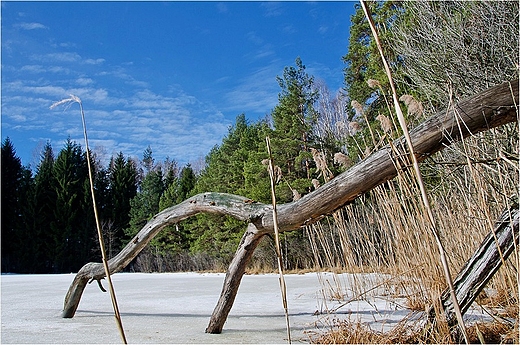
<point x="293" y="119"/>
<point x="146" y="202"/>
<point x="123" y="188"/>
<point x="174" y="239"/>
<point x="16" y="184"/>
<point x="363" y="60"/>
<point x="42" y="206"/>
<point x="73" y="228"/>
<point x="366" y="83"/>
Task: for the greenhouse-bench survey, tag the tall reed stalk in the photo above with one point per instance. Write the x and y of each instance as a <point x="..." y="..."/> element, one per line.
<point x="75" y="99"/>
<point x="418" y="175"/>
<point x="283" y="287"/>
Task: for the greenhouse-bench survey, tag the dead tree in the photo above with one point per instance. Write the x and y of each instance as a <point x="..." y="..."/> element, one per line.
<point x="488" y="109"/>
<point x="483" y="264"/>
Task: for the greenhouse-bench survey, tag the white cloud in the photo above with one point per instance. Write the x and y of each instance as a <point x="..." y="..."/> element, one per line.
<point x="30" y="26"/>
<point x="33" y="68"/>
<point x="49" y="90"/>
<point x="96" y="95"/>
<point x="44" y="69"/>
<point x="323" y="29"/>
<point x="272" y="9"/>
<point x="257" y="93"/>
<point x="58" y="69"/>
<point x="18" y="118"/>
<point x="58" y="57"/>
<point x="84" y="81"/>
<point x="62" y="57"/>
<point x="123" y="75"/>
<point x="94" y="61"/>
<point x="54" y="93"/>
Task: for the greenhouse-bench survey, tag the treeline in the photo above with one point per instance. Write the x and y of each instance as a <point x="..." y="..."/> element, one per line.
<point x="48" y="223"/>
<point x="47" y="217"/>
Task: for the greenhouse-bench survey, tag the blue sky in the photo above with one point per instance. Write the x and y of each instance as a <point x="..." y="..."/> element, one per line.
<point x="169" y="75"/>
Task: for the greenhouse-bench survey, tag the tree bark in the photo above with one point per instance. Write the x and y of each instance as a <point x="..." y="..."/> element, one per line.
<point x="488" y="109"/>
<point x="480" y="268"/>
<point x="234" y="275"/>
<point x="236" y="206"/>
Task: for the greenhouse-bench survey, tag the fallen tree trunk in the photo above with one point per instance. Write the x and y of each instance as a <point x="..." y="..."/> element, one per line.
<point x="477" y="114"/>
<point x="488" y="109"/>
<point x="483" y="264"/>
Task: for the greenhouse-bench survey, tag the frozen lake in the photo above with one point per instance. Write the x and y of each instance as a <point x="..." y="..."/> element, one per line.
<point x="173" y="308"/>
<point x="156" y="308"/>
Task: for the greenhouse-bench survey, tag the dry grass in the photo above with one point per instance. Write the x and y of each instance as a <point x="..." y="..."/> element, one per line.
<point x="405" y="333"/>
<point x="386" y="231"/>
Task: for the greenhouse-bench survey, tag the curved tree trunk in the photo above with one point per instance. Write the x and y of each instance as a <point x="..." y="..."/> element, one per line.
<point x="488" y="109"/>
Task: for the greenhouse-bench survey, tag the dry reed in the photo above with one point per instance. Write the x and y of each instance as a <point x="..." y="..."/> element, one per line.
<point x="68" y="101"/>
<point x="386" y="230"/>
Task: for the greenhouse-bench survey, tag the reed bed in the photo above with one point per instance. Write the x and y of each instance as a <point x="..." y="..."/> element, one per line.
<point x="386" y="231"/>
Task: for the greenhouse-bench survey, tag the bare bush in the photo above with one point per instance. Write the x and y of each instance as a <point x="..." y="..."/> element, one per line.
<point x="453" y="49"/>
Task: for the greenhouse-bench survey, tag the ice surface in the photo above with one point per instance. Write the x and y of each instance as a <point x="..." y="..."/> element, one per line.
<point x="176" y="308"/>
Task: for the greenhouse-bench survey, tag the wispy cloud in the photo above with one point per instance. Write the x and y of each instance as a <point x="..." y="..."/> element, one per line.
<point x="253" y="37"/>
<point x="44" y="69"/>
<point x="257" y="93"/>
<point x="33" y="69"/>
<point x="323" y="29"/>
<point x="84" y="81"/>
<point x="264" y="50"/>
<point x="54" y="93"/>
<point x="30" y="26"/>
<point x="178" y="126"/>
<point x="272" y="9"/>
<point x="66" y="57"/>
<point x="121" y="73"/>
<point x="94" y="61"/>
<point x="289" y="29"/>
<point x="57" y="57"/>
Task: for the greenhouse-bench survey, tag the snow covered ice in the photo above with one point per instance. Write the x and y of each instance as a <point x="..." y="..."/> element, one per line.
<point x="176" y="308"/>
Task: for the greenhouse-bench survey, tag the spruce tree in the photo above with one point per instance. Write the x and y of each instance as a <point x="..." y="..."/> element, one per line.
<point x="174" y="239"/>
<point x="73" y="228"/>
<point x="42" y="208"/>
<point x="187" y="181"/>
<point x="16" y="181"/>
<point x="123" y="188"/>
<point x="146" y="202"/>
